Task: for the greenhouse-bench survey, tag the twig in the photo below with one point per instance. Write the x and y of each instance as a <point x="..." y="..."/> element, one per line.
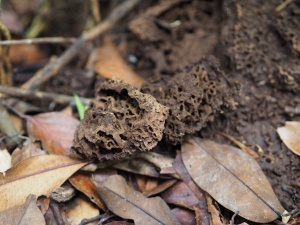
<point x="232" y="218"/>
<point x="58" y="98"/>
<point x="38" y="41"/>
<point x="95" y="9"/>
<point x="56" y="212"/>
<point x="282" y="6"/>
<point x="51" y="70"/>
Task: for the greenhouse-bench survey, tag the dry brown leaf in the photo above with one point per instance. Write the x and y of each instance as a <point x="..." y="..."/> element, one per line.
<point x="54" y="129"/>
<point x="149" y="164"/>
<point x="160" y="188"/>
<point x="83" y="182"/>
<point x="7" y="126"/>
<point x="43" y="203"/>
<point x="29" y="149"/>
<point x="5" y="161"/>
<point x="137" y="166"/>
<point x="290" y="135"/>
<point x="38" y="175"/>
<point x="233" y="178"/>
<point x="110" y="64"/>
<point x="200" y="209"/>
<point x="25" y="53"/>
<point x="80" y="208"/>
<point x="25" y="214"/>
<point x="216" y="217"/>
<point x="130" y="204"/>
<point x="184" y="216"/>
<point x="180" y="195"/>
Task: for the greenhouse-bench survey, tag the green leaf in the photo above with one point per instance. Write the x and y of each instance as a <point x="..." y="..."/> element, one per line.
<point x="80" y="107"/>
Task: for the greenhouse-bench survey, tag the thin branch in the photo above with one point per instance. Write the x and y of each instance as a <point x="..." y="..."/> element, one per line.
<point x="52" y="40"/>
<point x="282" y="6"/>
<point x="51" y="70"/>
<point x="95" y="9"/>
<point x="58" y="98"/>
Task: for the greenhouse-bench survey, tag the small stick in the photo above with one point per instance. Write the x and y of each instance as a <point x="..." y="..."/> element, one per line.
<point x="52" y="69"/>
<point x="56" y="212"/>
<point x="232" y="218"/>
<point x="282" y="6"/>
<point x="95" y="8"/>
<point x="52" y="40"/>
<point x="58" y="98"/>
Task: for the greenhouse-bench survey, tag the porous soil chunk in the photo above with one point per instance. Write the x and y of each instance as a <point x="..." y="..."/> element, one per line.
<point x="120" y="121"/>
<point x="194" y="96"/>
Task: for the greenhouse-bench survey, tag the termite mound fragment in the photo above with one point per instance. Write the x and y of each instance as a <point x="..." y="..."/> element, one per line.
<point x="195" y="96"/>
<point x="119" y="121"/>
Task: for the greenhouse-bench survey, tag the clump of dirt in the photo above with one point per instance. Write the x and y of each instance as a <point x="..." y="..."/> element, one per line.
<point x="194" y="97"/>
<point x="120" y="121"/>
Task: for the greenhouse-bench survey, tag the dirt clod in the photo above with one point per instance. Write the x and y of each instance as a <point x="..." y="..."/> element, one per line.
<point x="120" y="121"/>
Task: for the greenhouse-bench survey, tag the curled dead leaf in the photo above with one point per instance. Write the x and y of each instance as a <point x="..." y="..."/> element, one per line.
<point x="290" y="135"/>
<point x="233" y="178"/>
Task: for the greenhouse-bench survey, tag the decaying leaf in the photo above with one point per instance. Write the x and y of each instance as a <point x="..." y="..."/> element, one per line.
<point x="160" y="188"/>
<point x="130" y="204"/>
<point x="290" y="135"/>
<point x="138" y="166"/>
<point x="55" y="130"/>
<point x="145" y="183"/>
<point x="148" y="163"/>
<point x="5" y="160"/>
<point x="180" y="195"/>
<point x="233" y="178"/>
<point x="200" y="209"/>
<point x="83" y="181"/>
<point x="29" y="149"/>
<point x="216" y="217"/>
<point x="80" y="208"/>
<point x="27" y="213"/>
<point x="111" y="65"/>
<point x="38" y="175"/>
<point x="184" y="216"/>
<point x="7" y="126"/>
